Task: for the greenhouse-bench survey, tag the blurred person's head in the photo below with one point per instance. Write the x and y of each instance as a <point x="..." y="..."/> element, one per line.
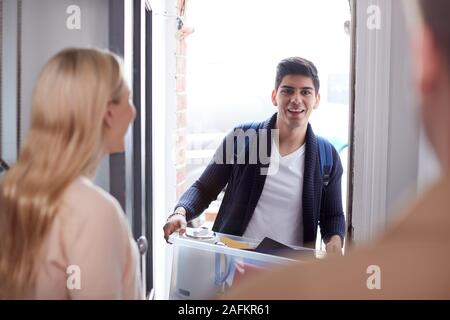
<point x="296" y="92"/>
<point x="432" y="53"/>
<point x="80" y="112"/>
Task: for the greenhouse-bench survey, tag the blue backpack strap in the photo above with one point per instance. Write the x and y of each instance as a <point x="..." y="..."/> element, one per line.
<point x="250" y="125"/>
<point x="326" y="159"/>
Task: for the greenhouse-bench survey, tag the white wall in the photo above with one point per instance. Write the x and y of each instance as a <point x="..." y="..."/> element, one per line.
<point x="44" y="33"/>
<point x="386" y="129"/>
<point x="403" y="118"/>
<point x="428" y="168"/>
<point x="9" y="81"/>
<point x="163" y="130"/>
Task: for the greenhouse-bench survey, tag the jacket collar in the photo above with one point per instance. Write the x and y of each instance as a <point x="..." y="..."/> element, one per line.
<point x="308" y="200"/>
<point x="310" y="139"/>
<point x="270" y="123"/>
<point x="310" y="175"/>
<point x="309" y="203"/>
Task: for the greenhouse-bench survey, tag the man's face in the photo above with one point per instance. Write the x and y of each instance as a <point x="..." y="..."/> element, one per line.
<point x="295" y="99"/>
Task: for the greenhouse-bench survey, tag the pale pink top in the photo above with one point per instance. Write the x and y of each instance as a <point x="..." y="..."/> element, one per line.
<point x="90" y="246"/>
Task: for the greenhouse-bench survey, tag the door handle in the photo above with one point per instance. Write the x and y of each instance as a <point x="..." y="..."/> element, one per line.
<point x="143" y="247"/>
<point x="3" y="165"/>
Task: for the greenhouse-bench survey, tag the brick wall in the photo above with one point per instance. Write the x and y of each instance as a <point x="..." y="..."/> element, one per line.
<point x="181" y="98"/>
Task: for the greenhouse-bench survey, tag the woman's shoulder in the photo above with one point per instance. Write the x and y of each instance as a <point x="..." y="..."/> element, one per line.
<point x="93" y="233"/>
<point x="84" y="199"/>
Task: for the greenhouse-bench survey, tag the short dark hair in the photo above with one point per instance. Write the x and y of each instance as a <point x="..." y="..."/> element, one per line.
<point x="297" y="66"/>
<point x="436" y="15"/>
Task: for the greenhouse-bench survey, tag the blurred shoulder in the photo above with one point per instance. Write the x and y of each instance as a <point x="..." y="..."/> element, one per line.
<point x="85" y="198"/>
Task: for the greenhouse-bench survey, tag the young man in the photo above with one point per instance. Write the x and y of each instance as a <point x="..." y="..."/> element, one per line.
<point x="412" y="259"/>
<point x="287" y="201"/>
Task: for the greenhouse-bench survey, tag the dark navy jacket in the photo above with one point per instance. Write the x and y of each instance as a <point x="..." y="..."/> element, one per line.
<point x="244" y="184"/>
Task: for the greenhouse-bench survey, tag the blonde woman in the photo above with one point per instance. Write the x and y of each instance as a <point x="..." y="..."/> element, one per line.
<point x="62" y="237"/>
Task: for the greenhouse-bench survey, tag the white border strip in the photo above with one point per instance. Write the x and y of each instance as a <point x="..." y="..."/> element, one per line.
<point x="372" y="102"/>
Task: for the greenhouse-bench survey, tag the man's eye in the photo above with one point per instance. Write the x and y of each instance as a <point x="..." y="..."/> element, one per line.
<point x="287" y="91"/>
<point x="306" y="92"/>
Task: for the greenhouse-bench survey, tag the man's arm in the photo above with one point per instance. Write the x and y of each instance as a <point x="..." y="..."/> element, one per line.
<point x="212" y="181"/>
<point x="206" y="189"/>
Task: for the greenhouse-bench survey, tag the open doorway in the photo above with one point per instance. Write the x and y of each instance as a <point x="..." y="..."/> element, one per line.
<point x="230" y="65"/>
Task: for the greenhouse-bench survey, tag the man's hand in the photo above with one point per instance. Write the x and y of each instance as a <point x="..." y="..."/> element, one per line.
<point x="175" y="222"/>
<point x="334" y="245"/>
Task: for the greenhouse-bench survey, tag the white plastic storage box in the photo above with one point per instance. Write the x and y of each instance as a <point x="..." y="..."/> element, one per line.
<point x="205" y="265"/>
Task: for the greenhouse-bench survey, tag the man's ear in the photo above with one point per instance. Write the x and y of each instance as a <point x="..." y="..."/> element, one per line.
<point x="274" y="96"/>
<point x="428" y="59"/>
<point x="109" y="116"/>
<point x="317" y="101"/>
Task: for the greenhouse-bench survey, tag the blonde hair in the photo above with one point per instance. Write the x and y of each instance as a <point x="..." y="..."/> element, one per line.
<point x="64" y="142"/>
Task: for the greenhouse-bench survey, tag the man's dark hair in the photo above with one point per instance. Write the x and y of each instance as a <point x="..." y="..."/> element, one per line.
<point x="436" y="14"/>
<point x="297" y="66"/>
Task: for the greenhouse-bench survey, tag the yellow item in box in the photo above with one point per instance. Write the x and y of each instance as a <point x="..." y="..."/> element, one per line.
<point x="235" y="244"/>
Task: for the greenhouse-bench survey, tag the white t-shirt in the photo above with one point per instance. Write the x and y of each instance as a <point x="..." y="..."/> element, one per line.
<point x="279" y="212"/>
